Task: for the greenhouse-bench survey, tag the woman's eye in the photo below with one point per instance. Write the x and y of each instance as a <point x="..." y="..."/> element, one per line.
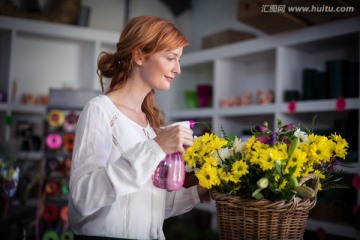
<point x="171" y="59"/>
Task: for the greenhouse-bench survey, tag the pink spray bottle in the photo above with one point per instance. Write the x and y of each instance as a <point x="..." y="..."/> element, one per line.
<point x="170" y="173"/>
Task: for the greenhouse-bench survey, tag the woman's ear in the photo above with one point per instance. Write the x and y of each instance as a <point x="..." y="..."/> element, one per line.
<point x="137" y="57"/>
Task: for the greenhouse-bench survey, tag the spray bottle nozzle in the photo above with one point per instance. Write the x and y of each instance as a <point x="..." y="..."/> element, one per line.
<point x="188" y="124"/>
<point x="191" y="123"/>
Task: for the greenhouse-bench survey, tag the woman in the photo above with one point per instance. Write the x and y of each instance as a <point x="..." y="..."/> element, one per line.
<point x="119" y="142"/>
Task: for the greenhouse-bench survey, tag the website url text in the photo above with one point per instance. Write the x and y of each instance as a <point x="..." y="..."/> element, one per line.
<point x="283" y="8"/>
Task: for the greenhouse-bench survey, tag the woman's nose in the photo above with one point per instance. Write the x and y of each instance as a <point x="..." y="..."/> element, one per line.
<point x="177" y="68"/>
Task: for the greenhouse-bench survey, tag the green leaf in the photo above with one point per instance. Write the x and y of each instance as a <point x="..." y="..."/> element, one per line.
<point x="292" y="170"/>
<point x="207" y="126"/>
<point x="313" y="123"/>
<point x="293" y="146"/>
<point x="257" y="191"/>
<point x="278" y="167"/>
<point x="258" y="196"/>
<point x="293" y="181"/>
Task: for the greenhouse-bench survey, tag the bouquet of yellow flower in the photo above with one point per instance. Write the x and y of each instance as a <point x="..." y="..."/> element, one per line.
<point x="270" y="164"/>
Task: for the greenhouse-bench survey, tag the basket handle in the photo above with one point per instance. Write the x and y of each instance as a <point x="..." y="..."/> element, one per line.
<point x="311" y="202"/>
<point x="311" y="176"/>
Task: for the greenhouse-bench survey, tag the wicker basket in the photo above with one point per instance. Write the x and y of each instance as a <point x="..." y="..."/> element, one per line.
<point x="262" y="219"/>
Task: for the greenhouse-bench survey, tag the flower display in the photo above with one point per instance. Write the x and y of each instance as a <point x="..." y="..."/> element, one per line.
<point x="9" y="173"/>
<point x="270" y="164"/>
<point x="9" y="180"/>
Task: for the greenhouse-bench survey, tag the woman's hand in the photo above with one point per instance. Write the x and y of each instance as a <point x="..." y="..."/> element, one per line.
<point x="204" y="193"/>
<point x="173" y="139"/>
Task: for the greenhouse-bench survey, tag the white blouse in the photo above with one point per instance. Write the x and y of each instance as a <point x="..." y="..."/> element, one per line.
<point x="111" y="190"/>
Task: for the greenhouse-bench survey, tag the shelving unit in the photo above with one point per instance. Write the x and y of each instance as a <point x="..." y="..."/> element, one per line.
<point x="36" y="56"/>
<point x="273" y="62"/>
<point x="62" y="116"/>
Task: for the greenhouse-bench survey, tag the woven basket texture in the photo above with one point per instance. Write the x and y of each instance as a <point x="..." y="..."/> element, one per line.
<point x="251" y="219"/>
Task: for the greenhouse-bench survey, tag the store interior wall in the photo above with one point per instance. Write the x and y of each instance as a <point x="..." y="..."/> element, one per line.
<point x="205" y="17"/>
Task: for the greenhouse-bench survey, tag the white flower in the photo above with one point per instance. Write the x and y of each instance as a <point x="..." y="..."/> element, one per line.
<point x="188" y="168"/>
<point x="302" y="135"/>
<point x="221" y="155"/>
<point x="238" y="145"/>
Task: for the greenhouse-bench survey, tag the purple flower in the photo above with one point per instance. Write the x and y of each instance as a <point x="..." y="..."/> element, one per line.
<point x="289" y="127"/>
<point x="333" y="164"/>
<point x="264" y="139"/>
<point x="331" y="168"/>
<point x="319" y="167"/>
<point x="286" y="140"/>
<point x="273" y="138"/>
<point x="261" y="129"/>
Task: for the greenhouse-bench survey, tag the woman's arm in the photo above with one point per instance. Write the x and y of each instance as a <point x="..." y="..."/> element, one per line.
<point x="99" y="175"/>
<point x="183" y="200"/>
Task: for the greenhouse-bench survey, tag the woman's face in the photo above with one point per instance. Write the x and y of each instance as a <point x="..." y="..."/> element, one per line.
<point x="160" y="69"/>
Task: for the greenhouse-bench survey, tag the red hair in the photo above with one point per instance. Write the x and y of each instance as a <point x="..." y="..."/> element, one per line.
<point x="150" y="34"/>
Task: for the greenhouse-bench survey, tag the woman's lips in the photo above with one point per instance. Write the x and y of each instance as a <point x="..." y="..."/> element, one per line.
<point x="170" y="79"/>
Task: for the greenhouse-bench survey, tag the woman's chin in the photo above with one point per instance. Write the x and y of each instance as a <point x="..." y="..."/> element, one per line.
<point x="164" y="87"/>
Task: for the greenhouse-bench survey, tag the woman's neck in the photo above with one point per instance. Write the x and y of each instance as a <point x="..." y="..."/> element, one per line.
<point x="129" y="101"/>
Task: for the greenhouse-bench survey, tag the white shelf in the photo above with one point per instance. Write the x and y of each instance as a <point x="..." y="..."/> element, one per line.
<point x="30" y="155"/>
<point x="265" y="43"/>
<point x="27" y="108"/>
<point x="201" y="113"/>
<point x="3" y="107"/>
<point x="273" y="62"/>
<point x="321" y="105"/>
<point x="301" y="107"/>
<point x="43" y="66"/>
<point x="247" y="110"/>
<point x="64" y="31"/>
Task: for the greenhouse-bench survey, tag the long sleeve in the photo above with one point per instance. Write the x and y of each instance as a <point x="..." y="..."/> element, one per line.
<point x="111" y="189"/>
<point x="181" y="201"/>
<point x="95" y="181"/>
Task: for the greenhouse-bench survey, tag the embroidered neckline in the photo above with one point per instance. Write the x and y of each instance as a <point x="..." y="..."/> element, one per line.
<point x="146" y="133"/>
